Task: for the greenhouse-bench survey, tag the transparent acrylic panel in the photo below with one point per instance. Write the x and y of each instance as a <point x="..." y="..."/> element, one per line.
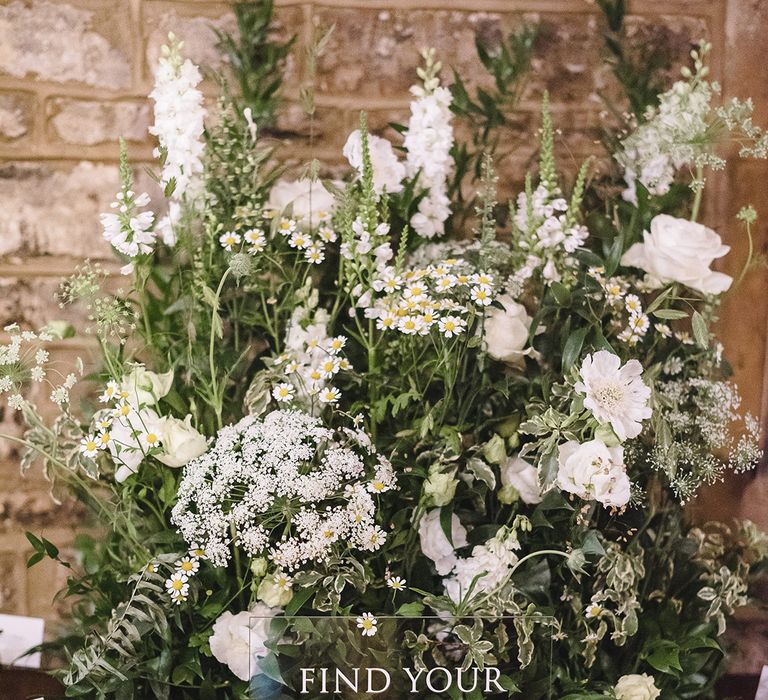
<point x="398" y="657"/>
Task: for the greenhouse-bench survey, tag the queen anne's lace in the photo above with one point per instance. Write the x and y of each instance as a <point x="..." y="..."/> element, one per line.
<point x="285" y="486"/>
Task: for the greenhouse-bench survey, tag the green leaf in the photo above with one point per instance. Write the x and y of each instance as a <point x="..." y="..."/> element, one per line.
<point x="446" y="522"/>
<point x="656" y="303"/>
<point x="670" y="314"/>
<point x="35" y="542"/>
<point x="415" y="609"/>
<point x="561" y="293"/>
<point x="572" y="348"/>
<point x="665" y="657"/>
<point x="700" y="330"/>
<point x="299" y="598"/>
<point x="34" y="559"/>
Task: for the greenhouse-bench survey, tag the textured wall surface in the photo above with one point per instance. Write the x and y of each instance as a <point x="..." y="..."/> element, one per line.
<point x="74" y="75"/>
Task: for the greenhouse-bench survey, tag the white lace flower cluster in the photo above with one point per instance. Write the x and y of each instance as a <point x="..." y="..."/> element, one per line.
<point x="20" y="363"/>
<point x="673" y="135"/>
<point x="179" y="126"/>
<point x="310" y="362"/>
<point x="177" y="584"/>
<point x="439" y="296"/>
<point x="286" y="487"/>
<point x="547" y="233"/>
<point x="129" y="230"/>
<point x="428" y="142"/>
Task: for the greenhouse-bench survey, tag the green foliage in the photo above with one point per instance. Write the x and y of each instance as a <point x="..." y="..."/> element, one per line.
<point x="488" y="113"/>
<point x="256" y="59"/>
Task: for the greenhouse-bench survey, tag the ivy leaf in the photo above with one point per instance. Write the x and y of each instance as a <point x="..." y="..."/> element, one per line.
<point x="665" y="657"/>
<point x="415" y="609"/>
<point x="482" y="472"/>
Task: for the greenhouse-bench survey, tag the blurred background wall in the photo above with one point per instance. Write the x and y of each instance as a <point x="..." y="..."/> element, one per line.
<point x="74" y="75"/>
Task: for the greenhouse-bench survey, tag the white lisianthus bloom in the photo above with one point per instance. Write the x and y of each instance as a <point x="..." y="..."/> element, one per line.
<point x="388" y="171"/>
<point x="616" y="395"/>
<point x="238" y="641"/>
<point x="636" y="687"/>
<point x="439" y="489"/>
<point x="519" y="479"/>
<point x="594" y="471"/>
<point x="678" y="250"/>
<point x="493" y="560"/>
<point x="145" y="388"/>
<point x="506" y="331"/>
<point x="125" y="444"/>
<point x="434" y="543"/>
<point x="309" y="199"/>
<point x="181" y="442"/>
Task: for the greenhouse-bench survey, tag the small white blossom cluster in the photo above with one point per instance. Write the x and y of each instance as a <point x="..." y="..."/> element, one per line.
<point x="368" y="245"/>
<point x="177" y="584"/>
<point x="286" y="487"/>
<point x="439" y="296"/>
<point x="179" y="126"/>
<point x="547" y="233"/>
<point x="129" y="230"/>
<point x="20" y="364"/>
<point x="673" y="135"/>
<point x="428" y="142"/>
<point x="310" y="362"/>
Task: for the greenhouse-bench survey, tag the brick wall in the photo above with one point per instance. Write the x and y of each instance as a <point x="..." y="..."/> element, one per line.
<point x="74" y="76"/>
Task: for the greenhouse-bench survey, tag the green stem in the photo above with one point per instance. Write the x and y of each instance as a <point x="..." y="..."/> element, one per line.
<point x="750" y="255"/>
<point x="699" y="193"/>
<point x="218" y="400"/>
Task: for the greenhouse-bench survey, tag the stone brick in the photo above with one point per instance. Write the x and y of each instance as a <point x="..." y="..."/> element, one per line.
<point x="16" y="116"/>
<point x="60" y="42"/>
<point x="11" y="597"/>
<point x="54" y="210"/>
<point x="330" y="126"/>
<point x="87" y="122"/>
<point x="197" y="33"/>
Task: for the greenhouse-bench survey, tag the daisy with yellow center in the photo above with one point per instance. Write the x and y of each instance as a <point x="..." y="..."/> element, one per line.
<point x="283" y="392"/>
<point x="330" y="396"/>
<point x="89" y="446"/>
<point x="150" y="439"/>
<point x="229" y="240"/>
<point x="188" y="566"/>
<point x="396" y="583"/>
<point x="481" y="296"/>
<point x="367" y="623"/>
<point x="286" y="226"/>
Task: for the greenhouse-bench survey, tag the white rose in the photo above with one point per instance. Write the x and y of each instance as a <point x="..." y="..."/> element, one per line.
<point x="506" y="331"/>
<point x="144" y="387"/>
<point x="388" y="171"/>
<point x="592" y="470"/>
<point x="434" y="543"/>
<point x="521" y="476"/>
<point x="239" y="640"/>
<point x="272" y="594"/>
<point x="677" y="250"/>
<point x="636" y="687"/>
<point x="440" y="489"/>
<point x="181" y="442"/>
<point x="309" y="199"/>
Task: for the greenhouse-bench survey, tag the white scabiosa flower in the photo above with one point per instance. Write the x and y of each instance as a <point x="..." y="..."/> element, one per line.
<point x="615" y="394"/>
